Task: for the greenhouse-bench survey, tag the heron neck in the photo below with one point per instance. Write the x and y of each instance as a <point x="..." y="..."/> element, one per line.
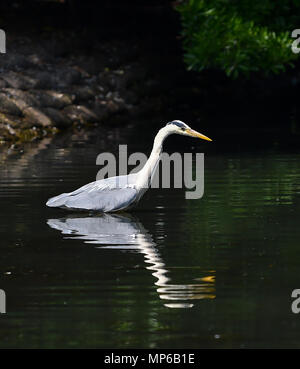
<point x="158" y="142"/>
<point x="148" y="171"/>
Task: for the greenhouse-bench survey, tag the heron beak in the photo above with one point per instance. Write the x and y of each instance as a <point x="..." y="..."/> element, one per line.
<point x="193" y="133"/>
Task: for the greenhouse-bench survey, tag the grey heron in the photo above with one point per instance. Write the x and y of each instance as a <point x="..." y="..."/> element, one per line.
<point x="122" y="192"/>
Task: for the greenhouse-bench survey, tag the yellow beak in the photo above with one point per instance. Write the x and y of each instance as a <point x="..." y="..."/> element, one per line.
<point x="193" y="133"/>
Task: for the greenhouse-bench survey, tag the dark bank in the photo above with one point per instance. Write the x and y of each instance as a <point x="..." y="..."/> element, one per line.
<point x="74" y="65"/>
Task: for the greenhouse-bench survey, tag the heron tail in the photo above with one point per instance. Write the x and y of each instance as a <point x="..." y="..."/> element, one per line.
<point x="57" y="201"/>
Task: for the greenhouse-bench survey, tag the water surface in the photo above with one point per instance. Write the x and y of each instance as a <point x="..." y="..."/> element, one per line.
<point x="175" y="273"/>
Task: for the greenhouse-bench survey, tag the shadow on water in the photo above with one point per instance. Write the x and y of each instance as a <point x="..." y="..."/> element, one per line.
<point x="124" y="232"/>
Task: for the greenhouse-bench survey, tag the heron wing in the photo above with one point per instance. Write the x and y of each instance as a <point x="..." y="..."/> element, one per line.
<point x="111" y="194"/>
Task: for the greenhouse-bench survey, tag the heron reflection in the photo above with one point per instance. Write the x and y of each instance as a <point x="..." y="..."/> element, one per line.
<point x="127" y="233"/>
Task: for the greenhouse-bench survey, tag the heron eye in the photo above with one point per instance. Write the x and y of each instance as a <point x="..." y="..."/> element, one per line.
<point x="182" y="128"/>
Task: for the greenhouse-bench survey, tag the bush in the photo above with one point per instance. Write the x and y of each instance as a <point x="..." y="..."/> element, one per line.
<point x="239" y="36"/>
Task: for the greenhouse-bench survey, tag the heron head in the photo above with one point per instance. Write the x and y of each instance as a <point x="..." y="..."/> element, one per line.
<point x="180" y="128"/>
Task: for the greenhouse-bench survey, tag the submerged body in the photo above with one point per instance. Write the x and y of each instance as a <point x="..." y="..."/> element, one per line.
<point x="122" y="192"/>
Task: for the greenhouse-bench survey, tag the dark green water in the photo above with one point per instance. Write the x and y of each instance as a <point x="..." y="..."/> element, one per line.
<point x="176" y="273"/>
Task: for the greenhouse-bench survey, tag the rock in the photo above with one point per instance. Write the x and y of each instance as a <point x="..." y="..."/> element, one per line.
<point x="6" y="123"/>
<point x="112" y="106"/>
<point x="83" y="93"/>
<point x="15" y="60"/>
<point x="28" y="98"/>
<point x="13" y="121"/>
<point x="21" y="104"/>
<point x="44" y="79"/>
<point x="80" y="113"/>
<point x="58" y="118"/>
<point x="53" y="99"/>
<point x="55" y="77"/>
<point x="6" y="132"/>
<point x="99" y="108"/>
<point x="68" y="76"/>
<point x="19" y="80"/>
<point x="53" y="81"/>
<point x="36" y="116"/>
<point x="8" y="106"/>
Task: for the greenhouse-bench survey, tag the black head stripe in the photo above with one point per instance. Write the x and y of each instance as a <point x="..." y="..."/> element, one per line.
<point x="178" y="124"/>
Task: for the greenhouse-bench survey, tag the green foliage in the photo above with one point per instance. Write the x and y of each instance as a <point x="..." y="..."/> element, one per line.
<point x="239" y="36"/>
